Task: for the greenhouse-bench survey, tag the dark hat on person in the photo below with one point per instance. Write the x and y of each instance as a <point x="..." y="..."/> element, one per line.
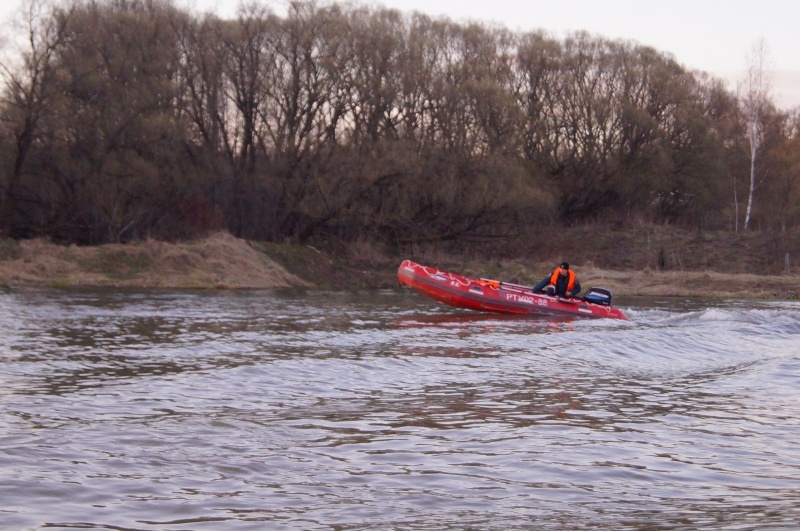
<point x="565" y="265"/>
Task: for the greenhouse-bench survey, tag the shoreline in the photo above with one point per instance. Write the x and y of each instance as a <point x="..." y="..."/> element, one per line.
<point x="222" y="261"/>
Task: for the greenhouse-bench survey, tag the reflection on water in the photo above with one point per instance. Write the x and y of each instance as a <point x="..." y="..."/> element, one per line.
<point x="320" y="410"/>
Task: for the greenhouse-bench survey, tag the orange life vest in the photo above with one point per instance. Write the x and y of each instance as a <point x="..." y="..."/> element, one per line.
<point x="557" y="272"/>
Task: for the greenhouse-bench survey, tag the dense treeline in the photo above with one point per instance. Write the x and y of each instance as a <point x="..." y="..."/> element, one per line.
<point x="133" y="118"/>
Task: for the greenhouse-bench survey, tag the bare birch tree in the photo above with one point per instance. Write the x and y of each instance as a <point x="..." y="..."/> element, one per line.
<point x="754" y="100"/>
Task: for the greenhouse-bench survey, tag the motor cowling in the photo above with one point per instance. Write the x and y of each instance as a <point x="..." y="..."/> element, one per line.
<point x="600" y="296"/>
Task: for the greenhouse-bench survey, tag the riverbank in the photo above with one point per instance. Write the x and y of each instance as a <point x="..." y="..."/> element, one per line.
<point x="224" y="262"/>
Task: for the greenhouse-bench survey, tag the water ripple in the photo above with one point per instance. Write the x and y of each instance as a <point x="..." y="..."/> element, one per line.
<point x="319" y="410"/>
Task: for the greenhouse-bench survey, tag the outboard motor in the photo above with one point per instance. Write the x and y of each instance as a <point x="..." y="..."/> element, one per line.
<point x="598" y="296"/>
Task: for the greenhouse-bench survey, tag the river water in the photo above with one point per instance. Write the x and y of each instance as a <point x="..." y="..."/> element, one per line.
<point x="387" y="410"/>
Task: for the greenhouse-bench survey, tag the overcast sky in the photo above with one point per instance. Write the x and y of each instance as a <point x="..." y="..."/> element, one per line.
<point x="714" y="36"/>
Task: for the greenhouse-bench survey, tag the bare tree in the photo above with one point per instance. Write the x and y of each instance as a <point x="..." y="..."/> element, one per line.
<point x="131" y="119"/>
<point x="754" y="100"/>
<point x="786" y="180"/>
<point x="29" y="89"/>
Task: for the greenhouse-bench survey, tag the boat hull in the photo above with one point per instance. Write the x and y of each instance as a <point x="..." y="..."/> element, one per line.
<point x="493" y="296"/>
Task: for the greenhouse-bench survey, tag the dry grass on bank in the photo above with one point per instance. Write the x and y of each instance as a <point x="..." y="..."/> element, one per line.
<point x="648" y="282"/>
<point x="693" y="284"/>
<point x="222" y="261"/>
<point x="219" y="261"/>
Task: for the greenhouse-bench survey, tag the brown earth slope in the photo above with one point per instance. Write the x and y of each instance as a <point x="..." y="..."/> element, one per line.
<point x="220" y="261"/>
<point x="657" y="264"/>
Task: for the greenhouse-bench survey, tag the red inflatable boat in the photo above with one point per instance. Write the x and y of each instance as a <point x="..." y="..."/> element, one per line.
<point x="502" y="297"/>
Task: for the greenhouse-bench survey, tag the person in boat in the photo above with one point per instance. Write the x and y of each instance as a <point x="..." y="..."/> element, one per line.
<point x="563" y="282"/>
